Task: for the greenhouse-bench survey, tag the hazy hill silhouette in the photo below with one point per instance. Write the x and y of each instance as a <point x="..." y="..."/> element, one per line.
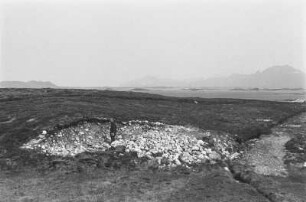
<point x="274" y="77"/>
<point x="29" y="84"/>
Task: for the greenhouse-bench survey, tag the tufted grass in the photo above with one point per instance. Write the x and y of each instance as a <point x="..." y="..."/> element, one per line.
<point x="34" y="110"/>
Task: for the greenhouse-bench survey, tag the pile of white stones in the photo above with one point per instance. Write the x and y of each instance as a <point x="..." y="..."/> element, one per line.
<point x="71" y="141"/>
<point x="167" y="145"/>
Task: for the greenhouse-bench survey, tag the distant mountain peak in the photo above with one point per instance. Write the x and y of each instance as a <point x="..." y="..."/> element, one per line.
<point x="280" y="76"/>
<point x="281" y="69"/>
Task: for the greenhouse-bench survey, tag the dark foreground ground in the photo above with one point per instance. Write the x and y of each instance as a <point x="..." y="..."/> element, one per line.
<point x="24" y="113"/>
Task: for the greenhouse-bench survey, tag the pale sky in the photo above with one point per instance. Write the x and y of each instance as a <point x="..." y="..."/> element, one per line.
<point x="109" y="42"/>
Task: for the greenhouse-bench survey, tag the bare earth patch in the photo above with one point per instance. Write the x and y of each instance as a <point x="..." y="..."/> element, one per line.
<point x="279" y="161"/>
<point x="267" y="155"/>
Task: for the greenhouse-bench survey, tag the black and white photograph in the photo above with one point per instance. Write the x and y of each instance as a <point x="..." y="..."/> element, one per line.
<point x="152" y="101"/>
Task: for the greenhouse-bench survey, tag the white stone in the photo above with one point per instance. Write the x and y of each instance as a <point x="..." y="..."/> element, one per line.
<point x="195" y="148"/>
<point x="214" y="155"/>
<point x="234" y="155"/>
<point x="185" y="157"/>
<point x="158" y="159"/>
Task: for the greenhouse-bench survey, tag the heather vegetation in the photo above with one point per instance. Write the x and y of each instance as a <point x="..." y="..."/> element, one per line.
<point x="58" y="131"/>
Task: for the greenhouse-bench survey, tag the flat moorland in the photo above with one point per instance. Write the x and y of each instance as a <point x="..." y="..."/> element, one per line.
<point x="26" y="112"/>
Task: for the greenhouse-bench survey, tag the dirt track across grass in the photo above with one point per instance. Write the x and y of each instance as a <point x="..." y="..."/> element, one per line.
<point x="279" y="170"/>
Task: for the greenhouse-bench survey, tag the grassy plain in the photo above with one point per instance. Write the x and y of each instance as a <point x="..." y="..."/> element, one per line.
<point x="24" y="113"/>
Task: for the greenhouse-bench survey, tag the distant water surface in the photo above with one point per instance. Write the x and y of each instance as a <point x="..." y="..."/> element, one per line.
<point x="272" y="95"/>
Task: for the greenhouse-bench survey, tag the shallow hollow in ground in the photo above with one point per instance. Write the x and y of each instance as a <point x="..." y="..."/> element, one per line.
<point x="165" y="145"/>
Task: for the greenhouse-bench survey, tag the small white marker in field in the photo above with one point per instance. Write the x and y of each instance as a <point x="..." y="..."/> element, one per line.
<point x="31" y="120"/>
<point x="227" y="169"/>
<point x="44" y="132"/>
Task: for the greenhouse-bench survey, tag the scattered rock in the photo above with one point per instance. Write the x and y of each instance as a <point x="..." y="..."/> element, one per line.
<point x="185" y="157"/>
<point x="214" y="155"/>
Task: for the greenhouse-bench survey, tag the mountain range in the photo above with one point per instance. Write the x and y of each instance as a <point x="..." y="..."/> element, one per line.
<point x="29" y="84"/>
<point x="274" y="77"/>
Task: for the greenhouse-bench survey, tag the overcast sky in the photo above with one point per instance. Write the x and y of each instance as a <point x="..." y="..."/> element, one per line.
<point x="109" y="42"/>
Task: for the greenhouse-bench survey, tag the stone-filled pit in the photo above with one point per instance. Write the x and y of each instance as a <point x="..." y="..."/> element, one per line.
<point x="165" y="145"/>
